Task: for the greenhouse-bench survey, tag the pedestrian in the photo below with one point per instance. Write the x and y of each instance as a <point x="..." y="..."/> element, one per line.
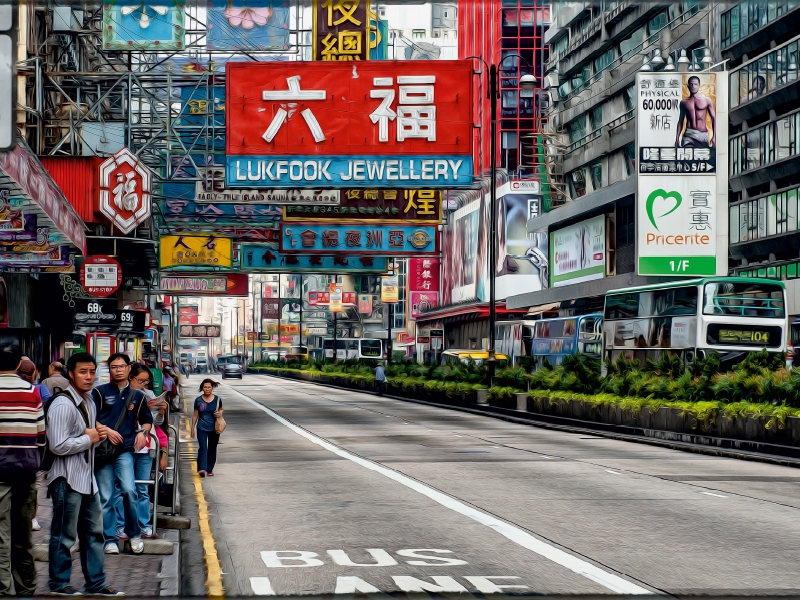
<point x="72" y="436"/>
<point x="28" y="371"/>
<point x="22" y="443"/>
<point x="140" y="379"/>
<point x="122" y="414"/>
<point x="207" y="408"/>
<point x="170" y="386"/>
<point x="55" y="380"/>
<point x="380" y="379"/>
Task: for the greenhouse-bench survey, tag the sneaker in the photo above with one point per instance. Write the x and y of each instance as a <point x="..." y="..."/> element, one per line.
<point x="35" y="525"/>
<point x="137" y="545"/>
<point x="107" y="592"/>
<point x="111" y="548"/>
<point x="121" y="534"/>
<point x="210" y="474"/>
<point x="147" y="533"/>
<point x="65" y="591"/>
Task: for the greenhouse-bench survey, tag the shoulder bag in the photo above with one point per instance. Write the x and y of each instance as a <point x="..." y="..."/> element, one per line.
<point x="105" y="450"/>
<point x="219" y="422"/>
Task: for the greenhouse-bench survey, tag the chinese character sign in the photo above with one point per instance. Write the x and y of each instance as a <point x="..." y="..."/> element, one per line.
<point x="394" y="240"/>
<point x="377" y="204"/>
<point x="677" y="122"/>
<point x="125" y="191"/>
<point x="423" y="274"/>
<point x="201" y="250"/>
<point x="681" y="120"/>
<point x="268" y="257"/>
<point x="375" y="124"/>
<point x="340" y="30"/>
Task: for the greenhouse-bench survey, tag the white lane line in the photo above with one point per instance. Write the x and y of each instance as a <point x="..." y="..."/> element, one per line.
<point x="613" y="472"/>
<point x="711" y="494"/>
<point x="548" y="457"/>
<point x="613" y="582"/>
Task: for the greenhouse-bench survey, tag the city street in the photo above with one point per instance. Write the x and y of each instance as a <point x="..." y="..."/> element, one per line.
<point x="320" y="490"/>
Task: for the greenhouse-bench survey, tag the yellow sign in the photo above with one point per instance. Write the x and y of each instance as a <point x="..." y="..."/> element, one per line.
<point x="390" y="289"/>
<point x="202" y="250"/>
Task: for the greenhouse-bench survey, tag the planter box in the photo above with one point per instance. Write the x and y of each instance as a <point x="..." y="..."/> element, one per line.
<point x="482" y="397"/>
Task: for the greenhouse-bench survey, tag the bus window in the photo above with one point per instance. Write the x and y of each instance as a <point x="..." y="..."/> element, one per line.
<point x="761" y="300"/>
<point x="371" y="348"/>
<point x="622" y="306"/>
<point x="675" y="302"/>
<point x="590" y="328"/>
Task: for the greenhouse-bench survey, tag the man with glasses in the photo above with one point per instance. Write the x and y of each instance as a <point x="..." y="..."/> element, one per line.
<point x="124" y="418"/>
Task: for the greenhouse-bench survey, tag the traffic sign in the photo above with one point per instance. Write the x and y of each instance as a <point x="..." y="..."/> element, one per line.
<point x="101" y="276"/>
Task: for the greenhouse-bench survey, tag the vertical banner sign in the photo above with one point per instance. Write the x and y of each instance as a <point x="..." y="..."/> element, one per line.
<point x="390" y="289"/>
<point x="681" y="145"/>
<point x="335" y="298"/>
<point x="365" y="304"/>
<point x="341" y="30"/>
<point x="423" y="285"/>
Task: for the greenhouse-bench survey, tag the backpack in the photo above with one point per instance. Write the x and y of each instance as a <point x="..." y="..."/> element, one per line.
<point x="49" y="456"/>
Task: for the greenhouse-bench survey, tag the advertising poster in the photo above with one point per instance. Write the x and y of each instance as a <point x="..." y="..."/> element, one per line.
<point x="579" y="252"/>
<point x="335" y="299"/>
<point x="365" y="304"/>
<point x="459" y="263"/>
<point x="270" y="308"/>
<point x="681" y="124"/>
<point x="390" y="289"/>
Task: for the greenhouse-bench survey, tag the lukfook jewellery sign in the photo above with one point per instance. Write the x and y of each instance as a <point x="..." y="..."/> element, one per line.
<point x="681" y="153"/>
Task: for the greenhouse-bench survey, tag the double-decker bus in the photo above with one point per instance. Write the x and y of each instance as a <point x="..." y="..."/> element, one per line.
<point x="550" y="339"/>
<point x="729" y="315"/>
<point x="354" y="348"/>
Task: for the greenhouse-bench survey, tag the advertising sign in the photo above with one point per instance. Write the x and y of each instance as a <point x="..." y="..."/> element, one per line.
<point x="390" y="289"/>
<point x="522" y="257"/>
<point x="230" y="284"/>
<point x="101" y="276"/>
<point x="202" y="250"/>
<point x="270" y="308"/>
<point x="335" y="298"/>
<point x="375" y="205"/>
<point x="211" y="188"/>
<point x="182" y="210"/>
<point x="267" y="257"/>
<point x="373" y="124"/>
<point x="422" y="302"/>
<point x="154" y="25"/>
<point x="125" y="190"/>
<point x="681" y="120"/>
<point x="340" y="30"/>
<point x="460" y="262"/>
<point x="365" y="304"/>
<point x="249" y="24"/>
<point x="394" y="240"/>
<point x="323" y="298"/>
<point x="199" y="331"/>
<point x="579" y="252"/>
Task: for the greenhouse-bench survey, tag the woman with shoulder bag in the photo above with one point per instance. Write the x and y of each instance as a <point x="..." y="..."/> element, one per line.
<point x="207" y="413"/>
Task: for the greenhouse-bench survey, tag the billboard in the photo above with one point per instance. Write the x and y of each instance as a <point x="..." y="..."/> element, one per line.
<point x="255" y="25"/>
<point x="199" y="331"/>
<point x="268" y="257"/>
<point x="149" y="25"/>
<point x="357" y="238"/>
<point x="202" y="250"/>
<point x="460" y="263"/>
<point x="578" y="252"/>
<point x="373" y="124"/>
<point x="682" y="187"/>
<point x="375" y="205"/>
<point x="229" y="284"/>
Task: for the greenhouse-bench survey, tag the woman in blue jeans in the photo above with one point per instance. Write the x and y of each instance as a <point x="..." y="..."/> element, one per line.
<point x="206" y="410"/>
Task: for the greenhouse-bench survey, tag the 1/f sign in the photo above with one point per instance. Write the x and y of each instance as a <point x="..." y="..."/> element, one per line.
<point x="679" y="266"/>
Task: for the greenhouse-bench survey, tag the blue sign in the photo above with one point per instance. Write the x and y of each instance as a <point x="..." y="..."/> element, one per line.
<point x="248" y="24"/>
<point x="179" y="209"/>
<point x="393" y="240"/>
<point x="268" y="257"/>
<point x="348" y="171"/>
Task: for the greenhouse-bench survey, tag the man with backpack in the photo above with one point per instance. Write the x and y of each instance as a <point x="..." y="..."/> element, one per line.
<point x="124" y="417"/>
<point x="72" y="436"/>
<point x="55" y="380"/>
<point x="22" y="442"/>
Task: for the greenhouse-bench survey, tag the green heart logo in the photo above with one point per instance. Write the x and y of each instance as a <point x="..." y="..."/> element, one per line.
<point x="655" y="195"/>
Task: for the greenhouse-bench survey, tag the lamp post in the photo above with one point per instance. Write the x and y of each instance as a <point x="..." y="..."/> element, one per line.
<point x="527" y="82"/>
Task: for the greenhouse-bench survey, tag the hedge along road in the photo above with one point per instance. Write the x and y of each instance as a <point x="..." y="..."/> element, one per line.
<point x="320" y="490"/>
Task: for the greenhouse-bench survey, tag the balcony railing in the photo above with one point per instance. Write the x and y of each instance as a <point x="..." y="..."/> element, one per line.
<point x="750" y="16"/>
<point x="773" y="70"/>
<point x="765" y="145"/>
<point x="763" y="217"/>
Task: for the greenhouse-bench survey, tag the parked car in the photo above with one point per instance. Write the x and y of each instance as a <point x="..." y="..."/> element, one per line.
<point x="232" y="370"/>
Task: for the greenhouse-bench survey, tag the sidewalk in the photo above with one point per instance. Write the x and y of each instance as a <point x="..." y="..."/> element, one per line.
<point x="136" y="575"/>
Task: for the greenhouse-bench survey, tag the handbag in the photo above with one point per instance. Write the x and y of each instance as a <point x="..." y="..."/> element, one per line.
<point x="219" y="422"/>
<point x="105" y="450"/>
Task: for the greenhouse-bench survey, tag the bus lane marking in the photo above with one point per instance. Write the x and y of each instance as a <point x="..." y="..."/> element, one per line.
<point x="519" y="536"/>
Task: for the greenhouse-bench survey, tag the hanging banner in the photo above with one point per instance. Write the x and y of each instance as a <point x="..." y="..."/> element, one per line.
<point x="395" y="240"/>
<point x="365" y="304"/>
<point x="375" y="205"/>
<point x="267" y="257"/>
<point x="390" y="289"/>
<point x="681" y="121"/>
<point x="340" y="30"/>
<point x="203" y="250"/>
<point x="371" y="125"/>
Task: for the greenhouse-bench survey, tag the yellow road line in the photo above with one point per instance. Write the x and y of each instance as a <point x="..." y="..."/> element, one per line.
<point x="214" y="587"/>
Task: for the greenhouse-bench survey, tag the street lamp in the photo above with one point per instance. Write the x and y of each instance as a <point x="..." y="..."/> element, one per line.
<point x="527" y="82"/>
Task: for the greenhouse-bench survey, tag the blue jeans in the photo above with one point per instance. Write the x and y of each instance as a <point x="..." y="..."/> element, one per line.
<point x="75" y="515"/>
<point x="207" y="451"/>
<point x="115" y="479"/>
<point x="142" y="464"/>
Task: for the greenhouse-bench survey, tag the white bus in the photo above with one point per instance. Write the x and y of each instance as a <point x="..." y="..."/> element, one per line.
<point x="730" y="315"/>
<point x="354" y="348"/>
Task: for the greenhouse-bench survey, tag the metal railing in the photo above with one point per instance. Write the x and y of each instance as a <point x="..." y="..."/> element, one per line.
<point x="750" y="16"/>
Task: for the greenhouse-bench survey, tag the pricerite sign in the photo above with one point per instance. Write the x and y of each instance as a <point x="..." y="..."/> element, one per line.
<point x="348" y="125"/>
<point x="681" y="124"/>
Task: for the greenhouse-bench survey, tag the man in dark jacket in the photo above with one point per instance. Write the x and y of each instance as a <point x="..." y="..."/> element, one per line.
<point x="22" y="442"/>
<point x="126" y="432"/>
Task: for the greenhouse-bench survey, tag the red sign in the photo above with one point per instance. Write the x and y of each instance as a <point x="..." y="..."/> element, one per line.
<point x="221" y="284"/>
<point x="423" y="274"/>
<point x="125" y="190"/>
<point x="345" y="108"/>
<point x="323" y="298"/>
<point x="101" y="276"/>
<point x="188" y="315"/>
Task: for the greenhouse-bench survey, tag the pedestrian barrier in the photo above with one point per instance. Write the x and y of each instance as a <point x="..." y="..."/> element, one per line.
<point x="155" y="453"/>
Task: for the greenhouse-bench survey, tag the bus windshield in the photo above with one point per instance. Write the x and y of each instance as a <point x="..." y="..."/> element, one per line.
<point x="371" y="348"/>
<point x="762" y="300"/>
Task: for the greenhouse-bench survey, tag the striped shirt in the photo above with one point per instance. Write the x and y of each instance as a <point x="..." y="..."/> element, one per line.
<point x="73" y="448"/>
<point x="22" y="436"/>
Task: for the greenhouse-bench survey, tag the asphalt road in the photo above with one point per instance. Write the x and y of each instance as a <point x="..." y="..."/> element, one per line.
<point x="319" y="490"/>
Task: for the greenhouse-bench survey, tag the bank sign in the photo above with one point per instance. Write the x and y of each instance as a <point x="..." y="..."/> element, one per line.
<point x="349" y="125"/>
<point x="681" y="188"/>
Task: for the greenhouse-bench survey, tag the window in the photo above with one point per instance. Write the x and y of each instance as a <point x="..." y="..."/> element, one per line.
<point x="630" y="45"/>
<point x="417" y="33"/>
<point x="596" y="173"/>
<point x="435" y="33"/>
<point x="625" y="225"/>
<point x="629" y="151"/>
<point x="605" y="59"/>
<point x="744" y="300"/>
<point x="581" y="78"/>
<point x="560" y="45"/>
<point x="596" y="117"/>
<point x="577" y="181"/>
<point x="658" y="22"/>
<point x="576" y="129"/>
<point x="629" y="98"/>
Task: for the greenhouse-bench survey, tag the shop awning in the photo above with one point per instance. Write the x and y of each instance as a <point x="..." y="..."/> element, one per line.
<point x="30" y="201"/>
<point x="466" y="312"/>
